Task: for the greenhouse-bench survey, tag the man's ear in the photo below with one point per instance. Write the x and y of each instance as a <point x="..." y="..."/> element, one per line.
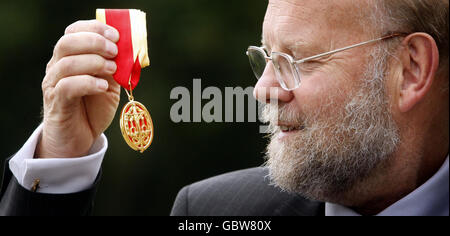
<point x="420" y="61"/>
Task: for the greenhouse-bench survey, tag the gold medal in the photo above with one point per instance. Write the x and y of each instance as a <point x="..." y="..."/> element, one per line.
<point x="136" y="125"/>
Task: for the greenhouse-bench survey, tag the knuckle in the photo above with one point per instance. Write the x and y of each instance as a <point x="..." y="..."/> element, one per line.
<point x="56" y="48"/>
<point x="62" y="90"/>
<point x="49" y="95"/>
<point x="72" y="28"/>
<point x="69" y="29"/>
<point x="98" y="42"/>
<point x="97" y="27"/>
<point x="99" y="63"/>
<point x="58" y="68"/>
<point x="49" y="77"/>
<point x="64" y="64"/>
<point x="48" y="66"/>
<point x="73" y="87"/>
<point x="44" y="85"/>
<point x="60" y="45"/>
<point x="90" y="83"/>
<point x="86" y="83"/>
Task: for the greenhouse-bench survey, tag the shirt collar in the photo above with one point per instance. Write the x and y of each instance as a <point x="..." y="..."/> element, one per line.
<point x="430" y="199"/>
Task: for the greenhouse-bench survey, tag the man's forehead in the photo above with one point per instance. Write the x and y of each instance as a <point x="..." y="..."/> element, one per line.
<point x="310" y="10"/>
<point x="318" y="7"/>
<point x="290" y="21"/>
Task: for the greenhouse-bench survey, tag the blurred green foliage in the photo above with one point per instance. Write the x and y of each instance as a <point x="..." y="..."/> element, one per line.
<point x="188" y="39"/>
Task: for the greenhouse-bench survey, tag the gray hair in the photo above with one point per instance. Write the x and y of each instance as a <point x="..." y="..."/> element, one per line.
<point x="427" y="16"/>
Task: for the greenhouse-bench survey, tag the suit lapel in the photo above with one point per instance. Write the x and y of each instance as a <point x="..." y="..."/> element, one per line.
<point x="299" y="206"/>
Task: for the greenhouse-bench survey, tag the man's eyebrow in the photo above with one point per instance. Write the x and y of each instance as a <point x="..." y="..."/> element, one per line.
<point x="301" y="49"/>
<point x="297" y="45"/>
<point x="263" y="42"/>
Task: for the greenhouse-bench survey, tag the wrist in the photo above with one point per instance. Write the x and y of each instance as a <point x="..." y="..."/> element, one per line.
<point x="48" y="147"/>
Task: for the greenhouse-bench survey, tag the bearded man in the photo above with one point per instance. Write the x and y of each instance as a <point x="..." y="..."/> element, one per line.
<point x="357" y="96"/>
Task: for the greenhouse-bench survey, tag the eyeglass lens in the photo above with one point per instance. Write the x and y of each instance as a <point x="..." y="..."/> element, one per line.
<point x="282" y="65"/>
<point x="284" y="71"/>
<point x="257" y="62"/>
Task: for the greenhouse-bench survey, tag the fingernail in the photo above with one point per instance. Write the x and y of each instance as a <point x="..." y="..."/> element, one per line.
<point x="102" y="84"/>
<point x="111" y="48"/>
<point x="112" y="35"/>
<point x="110" y="67"/>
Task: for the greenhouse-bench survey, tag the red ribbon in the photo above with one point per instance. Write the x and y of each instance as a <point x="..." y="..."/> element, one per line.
<point x="126" y="66"/>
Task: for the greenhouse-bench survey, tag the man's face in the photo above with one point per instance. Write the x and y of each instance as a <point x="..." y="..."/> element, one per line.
<point x="304" y="28"/>
<point x="337" y="125"/>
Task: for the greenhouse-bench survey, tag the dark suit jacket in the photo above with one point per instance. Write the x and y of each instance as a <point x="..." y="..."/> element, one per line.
<point x="18" y="201"/>
<point x="240" y="193"/>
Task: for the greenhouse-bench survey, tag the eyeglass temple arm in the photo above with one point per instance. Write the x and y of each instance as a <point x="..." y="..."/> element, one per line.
<point x="349" y="47"/>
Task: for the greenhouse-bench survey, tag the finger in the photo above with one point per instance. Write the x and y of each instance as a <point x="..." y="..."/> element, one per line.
<point x="74" y="87"/>
<point x="84" y="43"/>
<point x="87" y="64"/>
<point x="94" y="26"/>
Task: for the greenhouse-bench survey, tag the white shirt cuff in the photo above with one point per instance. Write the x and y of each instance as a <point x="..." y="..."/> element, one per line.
<point x="57" y="175"/>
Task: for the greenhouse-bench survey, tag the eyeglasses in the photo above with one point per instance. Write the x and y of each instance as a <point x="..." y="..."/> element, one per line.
<point x="286" y="68"/>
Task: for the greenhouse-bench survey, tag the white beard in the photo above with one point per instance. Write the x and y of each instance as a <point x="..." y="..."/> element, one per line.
<point x="336" y="149"/>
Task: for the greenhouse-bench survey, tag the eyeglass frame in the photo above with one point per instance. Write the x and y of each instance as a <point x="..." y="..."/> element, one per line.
<point x="294" y="63"/>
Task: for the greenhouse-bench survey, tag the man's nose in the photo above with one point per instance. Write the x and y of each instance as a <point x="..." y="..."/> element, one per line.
<point x="268" y="88"/>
